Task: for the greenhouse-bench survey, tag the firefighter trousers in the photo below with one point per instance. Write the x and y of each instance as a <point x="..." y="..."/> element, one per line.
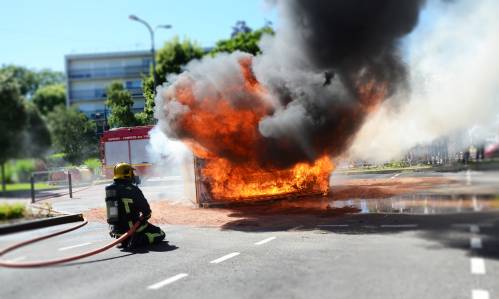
<point x="146" y="234"/>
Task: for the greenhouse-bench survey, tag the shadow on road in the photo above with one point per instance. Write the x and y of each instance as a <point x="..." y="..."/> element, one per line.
<point x="164" y="246"/>
<point x="161" y="247"/>
<point x="449" y="230"/>
<point x="95" y="261"/>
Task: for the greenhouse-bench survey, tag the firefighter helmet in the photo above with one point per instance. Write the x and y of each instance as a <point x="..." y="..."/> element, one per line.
<point x="123" y="171"/>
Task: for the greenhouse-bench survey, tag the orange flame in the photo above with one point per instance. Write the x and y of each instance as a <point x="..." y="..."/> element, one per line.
<point x="213" y="124"/>
<point x="232" y="181"/>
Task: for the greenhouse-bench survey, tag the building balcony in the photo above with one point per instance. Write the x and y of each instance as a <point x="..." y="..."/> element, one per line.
<point x="108" y="73"/>
<point x="98" y="94"/>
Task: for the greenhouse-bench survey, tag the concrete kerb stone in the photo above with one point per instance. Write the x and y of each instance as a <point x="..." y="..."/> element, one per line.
<point x="39" y="223"/>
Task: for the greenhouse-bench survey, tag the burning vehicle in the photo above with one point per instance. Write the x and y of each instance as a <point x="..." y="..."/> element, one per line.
<point x="270" y="125"/>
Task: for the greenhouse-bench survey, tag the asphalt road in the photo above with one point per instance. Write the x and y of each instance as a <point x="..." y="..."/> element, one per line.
<point x="366" y="255"/>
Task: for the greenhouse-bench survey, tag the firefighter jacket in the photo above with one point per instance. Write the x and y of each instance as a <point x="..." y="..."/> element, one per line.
<point x="125" y="203"/>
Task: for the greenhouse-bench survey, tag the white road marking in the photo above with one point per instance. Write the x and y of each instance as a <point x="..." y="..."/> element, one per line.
<point x="224" y="258"/>
<point x="474" y="229"/>
<point x="476" y="207"/>
<point x="468" y="177"/>
<point x="332" y="225"/>
<point x="167" y="281"/>
<point x="17" y="259"/>
<point x="480" y="294"/>
<point x="74" y="246"/>
<point x="399" y="225"/>
<point x="477" y="265"/>
<point x="265" y="241"/>
<point x="469" y="225"/>
<point x="395" y="175"/>
<point x="476" y="243"/>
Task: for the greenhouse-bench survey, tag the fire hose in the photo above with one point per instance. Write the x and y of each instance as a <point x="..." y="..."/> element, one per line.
<point x="35" y="264"/>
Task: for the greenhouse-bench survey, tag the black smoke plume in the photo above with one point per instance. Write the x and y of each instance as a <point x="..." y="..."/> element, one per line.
<point x="329" y="64"/>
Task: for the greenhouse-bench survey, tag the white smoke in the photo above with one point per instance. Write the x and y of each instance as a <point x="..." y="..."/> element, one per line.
<point x="171" y="159"/>
<point x="454" y="76"/>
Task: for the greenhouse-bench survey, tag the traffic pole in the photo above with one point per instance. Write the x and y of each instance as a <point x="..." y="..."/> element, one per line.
<point x="70" y="185"/>
<point x="32" y="182"/>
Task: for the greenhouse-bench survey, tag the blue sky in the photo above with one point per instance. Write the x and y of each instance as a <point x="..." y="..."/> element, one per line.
<point x="38" y="34"/>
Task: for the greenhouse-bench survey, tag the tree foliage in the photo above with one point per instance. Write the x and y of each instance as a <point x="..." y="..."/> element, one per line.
<point x="46" y="77"/>
<point x="120" y="101"/>
<point x="73" y="134"/>
<point x="169" y="60"/>
<point x="243" y="41"/>
<point x="240" y="27"/>
<point x="29" y="80"/>
<point x="46" y="98"/>
<point x="12" y="117"/>
<point x="35" y="140"/>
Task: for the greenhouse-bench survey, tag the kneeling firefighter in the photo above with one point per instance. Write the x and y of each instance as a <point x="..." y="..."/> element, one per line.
<point x="126" y="205"/>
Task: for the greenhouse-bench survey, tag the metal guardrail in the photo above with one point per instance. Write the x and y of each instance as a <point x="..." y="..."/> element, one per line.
<point x="62" y="180"/>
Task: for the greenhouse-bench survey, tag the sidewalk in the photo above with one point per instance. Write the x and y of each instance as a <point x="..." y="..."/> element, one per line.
<point x="85" y="199"/>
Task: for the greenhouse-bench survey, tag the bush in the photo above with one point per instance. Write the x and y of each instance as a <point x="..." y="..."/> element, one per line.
<point x="9" y="173"/>
<point x="94" y="165"/>
<point x="11" y="211"/>
<point x="56" y="160"/>
<point x="23" y="169"/>
<point x="19" y="170"/>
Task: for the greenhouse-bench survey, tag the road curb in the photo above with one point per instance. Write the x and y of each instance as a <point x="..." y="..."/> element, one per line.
<point x="40" y="223"/>
<point x="381" y="171"/>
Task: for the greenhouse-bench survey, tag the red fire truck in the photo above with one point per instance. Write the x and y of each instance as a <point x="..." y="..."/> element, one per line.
<point x="125" y="145"/>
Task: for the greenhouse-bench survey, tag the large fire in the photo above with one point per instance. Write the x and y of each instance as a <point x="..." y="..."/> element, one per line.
<point x="234" y="181"/>
<point x="226" y="137"/>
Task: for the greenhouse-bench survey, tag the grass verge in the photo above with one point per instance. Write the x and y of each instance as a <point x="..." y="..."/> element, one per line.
<point x="11" y="211"/>
<point x="27" y="186"/>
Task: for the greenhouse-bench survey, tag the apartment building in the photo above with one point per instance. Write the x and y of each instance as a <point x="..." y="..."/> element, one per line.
<point x="88" y="76"/>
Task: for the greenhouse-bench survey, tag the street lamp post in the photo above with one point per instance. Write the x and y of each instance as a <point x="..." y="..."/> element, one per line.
<point x="153" y="53"/>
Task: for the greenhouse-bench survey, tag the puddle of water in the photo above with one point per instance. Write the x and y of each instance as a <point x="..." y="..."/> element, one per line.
<point x="407" y="204"/>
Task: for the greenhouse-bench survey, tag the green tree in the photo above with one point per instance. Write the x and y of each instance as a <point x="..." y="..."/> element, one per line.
<point x="170" y="59"/>
<point x="46" y="98"/>
<point x="73" y="134"/>
<point x="29" y="80"/>
<point x="12" y="119"/>
<point x="119" y="100"/>
<point x="47" y="77"/>
<point x="244" y="40"/>
<point x="35" y="139"/>
<point x="240" y="27"/>
<point x="25" y="78"/>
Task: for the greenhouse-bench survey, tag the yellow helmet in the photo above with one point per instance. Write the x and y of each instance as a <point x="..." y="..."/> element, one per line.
<point x="123" y="171"/>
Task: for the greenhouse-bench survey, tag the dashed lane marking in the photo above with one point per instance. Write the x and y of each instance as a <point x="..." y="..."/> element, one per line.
<point x="224" y="258"/>
<point x="470" y="225"/>
<point x="17" y="259"/>
<point x="74" y="246"/>
<point x="474" y="229"/>
<point x="167" y="281"/>
<point x="399" y="225"/>
<point x="265" y="241"/>
<point x="477" y="265"/>
<point x="468" y="177"/>
<point x="395" y="175"/>
<point x="476" y="243"/>
<point x="480" y="294"/>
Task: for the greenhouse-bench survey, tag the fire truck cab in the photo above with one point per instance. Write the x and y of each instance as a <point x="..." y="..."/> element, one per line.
<point x="125" y="145"/>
